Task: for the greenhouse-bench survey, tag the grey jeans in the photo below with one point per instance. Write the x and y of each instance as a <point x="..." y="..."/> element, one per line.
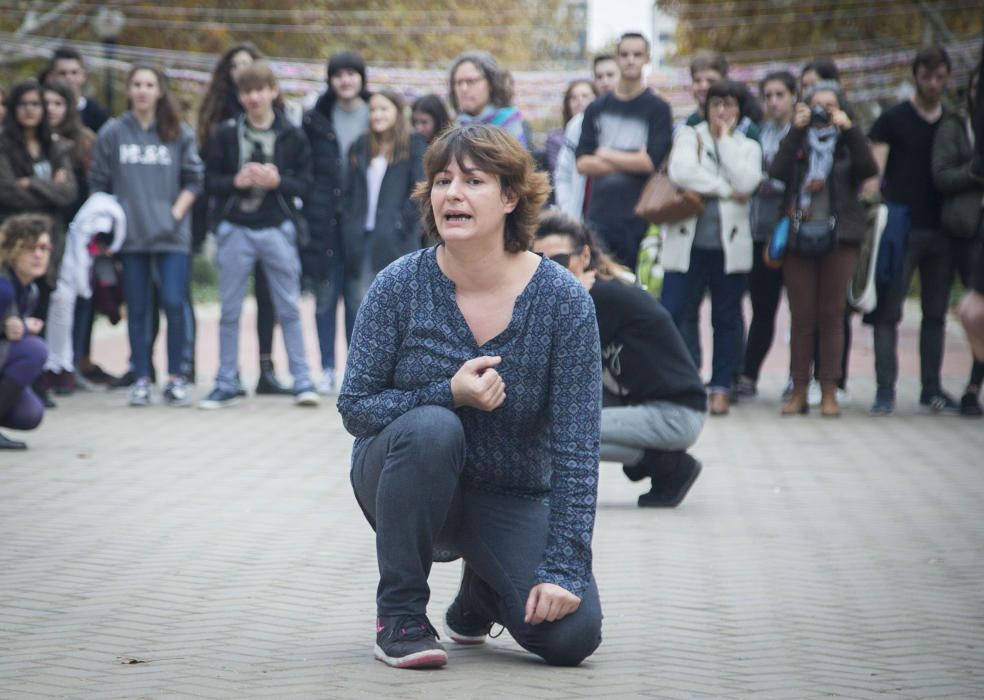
<point x="408" y="481"/>
<point x="239" y="249"/>
<point x="627" y="431"/>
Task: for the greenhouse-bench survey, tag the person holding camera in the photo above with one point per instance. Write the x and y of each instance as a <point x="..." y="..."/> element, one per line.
<point x="823" y="161"/>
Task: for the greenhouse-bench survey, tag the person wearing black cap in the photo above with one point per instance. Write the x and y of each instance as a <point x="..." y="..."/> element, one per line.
<point x="340" y="115"/>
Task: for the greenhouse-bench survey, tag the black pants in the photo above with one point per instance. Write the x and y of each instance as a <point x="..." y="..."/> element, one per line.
<point x="407" y="480"/>
<point x="765" y="291"/>
<point x="931" y="253"/>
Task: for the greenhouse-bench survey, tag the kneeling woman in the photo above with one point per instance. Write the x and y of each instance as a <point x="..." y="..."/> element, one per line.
<point x="25" y="250"/>
<point x="654" y="400"/>
<point x="473" y="388"/>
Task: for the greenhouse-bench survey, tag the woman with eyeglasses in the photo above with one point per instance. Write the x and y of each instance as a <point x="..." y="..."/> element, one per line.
<point x="25" y="251"/>
<point x="482" y="91"/>
<point x="654" y="403"/>
<point x="36" y="173"/>
<point x="713" y="250"/>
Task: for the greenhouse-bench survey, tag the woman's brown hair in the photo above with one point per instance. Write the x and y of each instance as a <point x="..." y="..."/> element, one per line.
<point x="20" y="231"/>
<point x="214" y="107"/>
<point x="567" y="96"/>
<point x="401" y="131"/>
<point x="495" y="152"/>
<point x="499" y="80"/>
<point x="556" y="223"/>
<point x="166" y="112"/>
<point x="71" y="127"/>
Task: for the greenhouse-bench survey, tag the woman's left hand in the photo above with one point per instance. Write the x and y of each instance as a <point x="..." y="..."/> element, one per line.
<point x="34" y="325"/>
<point x="840" y="119"/>
<point x="548" y="602"/>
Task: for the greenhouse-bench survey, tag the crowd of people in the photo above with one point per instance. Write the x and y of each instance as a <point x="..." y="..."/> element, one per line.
<point x="529" y="289"/>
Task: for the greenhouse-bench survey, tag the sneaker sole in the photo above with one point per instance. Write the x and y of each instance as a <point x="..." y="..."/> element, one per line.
<point x="430" y="658"/>
<point x="930" y="410"/>
<point x="213" y="405"/>
<point x="459" y="638"/>
<point x="179" y="403"/>
<point x="307" y="400"/>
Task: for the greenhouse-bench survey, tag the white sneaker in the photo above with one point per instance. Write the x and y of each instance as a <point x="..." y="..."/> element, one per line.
<point x="813" y="393"/>
<point x="306" y="396"/>
<point x="843" y="397"/>
<point x="327" y="384"/>
<point x="140" y="393"/>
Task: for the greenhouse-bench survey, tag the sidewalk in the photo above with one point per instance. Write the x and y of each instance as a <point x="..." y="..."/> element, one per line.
<point x="180" y="553"/>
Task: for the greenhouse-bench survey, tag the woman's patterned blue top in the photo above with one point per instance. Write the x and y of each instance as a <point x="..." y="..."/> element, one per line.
<point x="542" y="442"/>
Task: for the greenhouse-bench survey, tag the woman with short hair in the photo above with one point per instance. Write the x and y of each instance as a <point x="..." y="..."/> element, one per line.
<point x="25" y="251"/>
<point x="714" y="249"/>
<point x="473" y="389"/>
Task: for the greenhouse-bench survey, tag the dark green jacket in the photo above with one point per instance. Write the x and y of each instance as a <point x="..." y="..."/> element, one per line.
<point x="962" y="193"/>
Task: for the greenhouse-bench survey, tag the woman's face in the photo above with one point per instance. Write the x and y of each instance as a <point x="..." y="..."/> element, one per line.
<point x="724" y="110"/>
<point x="424" y="125"/>
<point x="32" y="262"/>
<point x="779" y="101"/>
<point x="826" y="99"/>
<point x="563" y="251"/>
<point x="471" y="88"/>
<point x="468" y="203"/>
<point x="239" y="61"/>
<point x="30" y="110"/>
<point x="144" y="91"/>
<point x="382" y="114"/>
<point x="579" y="99"/>
<point x="57" y="108"/>
<point x="809" y="79"/>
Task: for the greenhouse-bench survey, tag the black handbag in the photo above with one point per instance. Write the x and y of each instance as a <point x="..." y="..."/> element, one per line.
<point x="815" y="238"/>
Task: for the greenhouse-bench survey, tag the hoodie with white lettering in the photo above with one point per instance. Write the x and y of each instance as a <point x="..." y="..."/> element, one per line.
<point x="147" y="175"/>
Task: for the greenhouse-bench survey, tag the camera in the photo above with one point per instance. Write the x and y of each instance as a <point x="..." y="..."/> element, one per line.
<point x="819" y="116"/>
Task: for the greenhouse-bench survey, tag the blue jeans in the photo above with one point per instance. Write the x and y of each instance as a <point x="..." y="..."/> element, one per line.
<point x="327" y="295"/>
<point x="682" y="292"/>
<point x="172" y="277"/>
<point x="408" y="481"/>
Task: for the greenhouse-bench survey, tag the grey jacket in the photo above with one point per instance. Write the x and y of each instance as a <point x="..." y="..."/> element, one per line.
<point x="147" y="176"/>
<point x="962" y="192"/>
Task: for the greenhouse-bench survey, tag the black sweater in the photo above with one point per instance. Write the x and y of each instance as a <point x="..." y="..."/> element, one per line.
<point x="642" y="353"/>
<point x="292" y="156"/>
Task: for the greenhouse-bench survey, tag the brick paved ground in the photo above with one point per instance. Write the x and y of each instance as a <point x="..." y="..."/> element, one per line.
<point x="224" y="551"/>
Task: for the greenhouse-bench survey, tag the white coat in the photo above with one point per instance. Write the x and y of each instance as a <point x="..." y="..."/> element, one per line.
<point x="698" y="170"/>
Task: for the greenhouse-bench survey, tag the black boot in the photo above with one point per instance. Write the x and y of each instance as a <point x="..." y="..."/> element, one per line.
<point x="268" y="383"/>
<point x="672" y="474"/>
<point x="40" y="387"/>
<point x="10" y="394"/>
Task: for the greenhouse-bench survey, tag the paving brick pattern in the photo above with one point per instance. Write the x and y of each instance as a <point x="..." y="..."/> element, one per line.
<point x="158" y="553"/>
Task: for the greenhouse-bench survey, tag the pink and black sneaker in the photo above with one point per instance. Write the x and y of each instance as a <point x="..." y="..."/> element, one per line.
<point x="408" y="641"/>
